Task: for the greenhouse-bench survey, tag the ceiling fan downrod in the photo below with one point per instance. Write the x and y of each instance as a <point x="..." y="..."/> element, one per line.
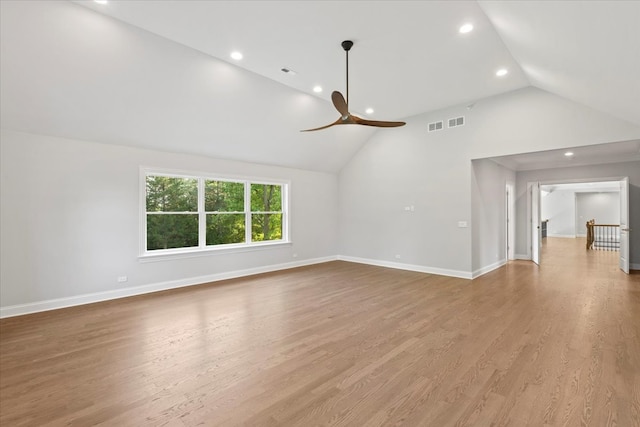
<point x="342" y="105"/>
<point x="347" y="45"/>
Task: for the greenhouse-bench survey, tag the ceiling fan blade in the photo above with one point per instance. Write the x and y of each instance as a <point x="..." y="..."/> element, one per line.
<point x="340" y="103"/>
<point x="377" y="123"/>
<point x="337" y="122"/>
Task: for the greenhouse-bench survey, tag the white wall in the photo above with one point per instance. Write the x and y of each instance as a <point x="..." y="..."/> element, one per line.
<point x="70" y="221"/>
<point x="559" y="207"/>
<point x="580" y="173"/>
<point x="432" y="171"/>
<point x="604" y="207"/>
<point x="69" y="215"/>
<point x="568" y="211"/>
<point x="488" y="206"/>
<point x="396" y="170"/>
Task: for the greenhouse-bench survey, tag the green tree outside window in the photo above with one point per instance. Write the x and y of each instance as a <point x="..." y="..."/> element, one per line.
<point x="233" y="212"/>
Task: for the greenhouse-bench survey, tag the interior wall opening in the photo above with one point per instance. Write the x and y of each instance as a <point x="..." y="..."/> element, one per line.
<point x="587" y="211"/>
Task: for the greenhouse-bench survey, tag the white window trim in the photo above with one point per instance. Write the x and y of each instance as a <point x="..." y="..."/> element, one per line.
<point x="203" y="249"/>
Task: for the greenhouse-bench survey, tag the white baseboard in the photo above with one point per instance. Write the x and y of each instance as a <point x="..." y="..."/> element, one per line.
<point x="565" y="236"/>
<point x="54" y="304"/>
<point x="634" y="266"/>
<point x="409" y="267"/>
<point x="484" y="270"/>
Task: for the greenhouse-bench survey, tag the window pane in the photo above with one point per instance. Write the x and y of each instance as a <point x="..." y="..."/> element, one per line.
<point x="266" y="227"/>
<point x="225" y="228"/>
<point x="170" y="194"/>
<point x="172" y="231"/>
<point x="266" y="198"/>
<point x="223" y="196"/>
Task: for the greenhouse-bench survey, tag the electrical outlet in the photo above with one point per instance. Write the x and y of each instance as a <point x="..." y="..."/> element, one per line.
<point x="122" y="279"/>
<point x="398" y="257"/>
<point x="462" y="224"/>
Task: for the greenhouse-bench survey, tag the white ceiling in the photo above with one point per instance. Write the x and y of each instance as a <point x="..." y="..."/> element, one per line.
<point x="408" y="56"/>
<point x="583" y="187"/>
<point x="68" y="71"/>
<point x="586" y="51"/>
<point x="626" y="151"/>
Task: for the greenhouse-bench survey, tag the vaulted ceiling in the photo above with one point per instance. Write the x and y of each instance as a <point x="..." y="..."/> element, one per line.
<point x="159" y="75"/>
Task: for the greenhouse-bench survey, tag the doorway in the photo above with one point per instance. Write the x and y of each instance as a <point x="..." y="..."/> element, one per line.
<point x="560" y="210"/>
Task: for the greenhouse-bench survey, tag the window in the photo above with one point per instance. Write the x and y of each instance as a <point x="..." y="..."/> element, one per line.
<point x="225" y="211"/>
<point x="185" y="213"/>
<point x="266" y="212"/>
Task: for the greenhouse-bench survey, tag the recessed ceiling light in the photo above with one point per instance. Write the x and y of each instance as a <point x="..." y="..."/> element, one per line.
<point x="502" y="72"/>
<point x="466" y="28"/>
<point x="568" y="154"/>
<point x="236" y="55"/>
<point x="369" y="111"/>
<point x="101" y="1"/>
<point x="317" y="89"/>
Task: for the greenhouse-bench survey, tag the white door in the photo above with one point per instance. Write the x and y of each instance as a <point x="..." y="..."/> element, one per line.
<point x="536" y="232"/>
<point x="510" y="222"/>
<point x="624" y="225"/>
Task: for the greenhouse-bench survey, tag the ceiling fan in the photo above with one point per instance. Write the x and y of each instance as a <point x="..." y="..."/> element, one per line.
<point x="346" y="118"/>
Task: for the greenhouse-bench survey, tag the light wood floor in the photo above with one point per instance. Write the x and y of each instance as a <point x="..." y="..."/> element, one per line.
<point x="342" y="344"/>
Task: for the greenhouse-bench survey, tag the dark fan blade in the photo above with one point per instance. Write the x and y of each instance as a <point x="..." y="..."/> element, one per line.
<point x="337" y="122"/>
<point x="340" y="103"/>
<point x="355" y="120"/>
<point x="377" y="123"/>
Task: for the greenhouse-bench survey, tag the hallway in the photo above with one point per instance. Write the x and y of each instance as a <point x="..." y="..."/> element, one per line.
<point x="559" y="251"/>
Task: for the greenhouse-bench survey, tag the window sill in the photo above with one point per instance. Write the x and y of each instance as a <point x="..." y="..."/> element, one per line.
<point x="196" y="253"/>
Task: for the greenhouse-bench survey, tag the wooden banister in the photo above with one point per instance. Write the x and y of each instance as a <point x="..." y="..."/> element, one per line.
<point x="590" y="224"/>
<point x="603" y="236"/>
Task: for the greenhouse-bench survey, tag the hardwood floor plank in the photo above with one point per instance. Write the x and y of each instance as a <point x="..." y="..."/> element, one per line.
<point x="342" y="344"/>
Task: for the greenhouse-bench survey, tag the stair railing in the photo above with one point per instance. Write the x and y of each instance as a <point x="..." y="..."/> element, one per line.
<point x="603" y="236"/>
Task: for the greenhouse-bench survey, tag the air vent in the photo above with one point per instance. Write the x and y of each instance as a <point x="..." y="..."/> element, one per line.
<point x="435" y="126"/>
<point x="457" y="121"/>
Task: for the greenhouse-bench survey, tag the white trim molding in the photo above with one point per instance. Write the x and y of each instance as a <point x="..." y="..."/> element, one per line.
<point x="409" y="267"/>
<point x="54" y="304"/>
<point x="484" y="270"/>
<point x="634" y="266"/>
